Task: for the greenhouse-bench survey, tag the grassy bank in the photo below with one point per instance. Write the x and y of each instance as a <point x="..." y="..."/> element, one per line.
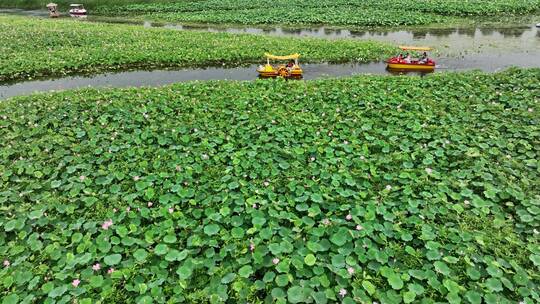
<point x="387" y="189"/>
<point x="35" y="47"/>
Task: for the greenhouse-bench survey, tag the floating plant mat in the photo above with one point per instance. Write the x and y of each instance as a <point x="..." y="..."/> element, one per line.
<point x="387" y="189"/>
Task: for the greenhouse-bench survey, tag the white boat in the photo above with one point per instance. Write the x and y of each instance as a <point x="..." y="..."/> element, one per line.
<point x="538" y="25"/>
<point x="77" y="10"/>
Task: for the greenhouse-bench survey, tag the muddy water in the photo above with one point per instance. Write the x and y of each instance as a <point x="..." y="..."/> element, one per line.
<point x="21" y="12"/>
<point x="163" y="77"/>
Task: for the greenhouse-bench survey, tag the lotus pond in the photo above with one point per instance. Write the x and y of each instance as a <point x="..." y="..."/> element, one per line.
<point x="387" y="189"/>
<point x="33" y="47"/>
<point x="329" y="12"/>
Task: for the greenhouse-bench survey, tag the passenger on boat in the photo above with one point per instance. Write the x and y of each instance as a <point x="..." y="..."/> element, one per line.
<point x="424" y="59"/>
<point x="407" y="58"/>
<point x="290" y="65"/>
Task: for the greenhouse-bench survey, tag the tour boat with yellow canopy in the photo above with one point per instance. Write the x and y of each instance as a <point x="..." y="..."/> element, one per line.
<point x="405" y="63"/>
<point x="289" y="70"/>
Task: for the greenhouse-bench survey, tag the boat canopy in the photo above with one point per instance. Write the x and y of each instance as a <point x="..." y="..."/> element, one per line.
<point x="75" y="5"/>
<point x="415" y="48"/>
<point x="289" y="57"/>
<point x="52" y="5"/>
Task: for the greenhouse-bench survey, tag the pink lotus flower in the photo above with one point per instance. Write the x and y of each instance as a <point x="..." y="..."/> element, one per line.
<point x="466" y="202"/>
<point x="254" y="206"/>
<point x="150" y="204"/>
<point x="342" y="292"/>
<point x="136" y="178"/>
<point x="178" y="168"/>
<point x="275" y="261"/>
<point x="171" y="210"/>
<point x="6" y="263"/>
<point x="251" y="247"/>
<point x="82" y="178"/>
<point x="326" y="221"/>
<point x="359" y="227"/>
<point x="107" y="224"/>
<point x="128" y="209"/>
<point x="350" y="270"/>
<point x="429" y="170"/>
<point x="115" y="210"/>
<point x="111" y="270"/>
<point x="348" y="217"/>
<point x="96" y="267"/>
<point x="388" y="187"/>
<point x="266" y="184"/>
<point x="76" y="282"/>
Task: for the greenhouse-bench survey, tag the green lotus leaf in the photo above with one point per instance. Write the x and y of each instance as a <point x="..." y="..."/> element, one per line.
<point x="310" y="259"/>
<point x="245" y="271"/>
<point x="211" y="229"/>
<point x="112" y="259"/>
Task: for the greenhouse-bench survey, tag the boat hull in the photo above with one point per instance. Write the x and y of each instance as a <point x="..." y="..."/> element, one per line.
<point x="411" y="67"/>
<point x="78" y="13"/>
<point x="273" y="74"/>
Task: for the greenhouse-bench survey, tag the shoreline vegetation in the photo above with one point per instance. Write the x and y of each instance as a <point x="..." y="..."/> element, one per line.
<point x="371" y="188"/>
<point x="36" y="47"/>
<point x="341" y="13"/>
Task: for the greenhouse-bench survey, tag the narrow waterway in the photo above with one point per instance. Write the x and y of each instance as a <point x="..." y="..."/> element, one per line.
<point x="164" y="77"/>
<point x="458" y="49"/>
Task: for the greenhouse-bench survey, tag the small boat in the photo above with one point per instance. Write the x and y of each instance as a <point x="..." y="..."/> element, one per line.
<point x="538" y="25"/>
<point x="77" y="10"/>
<point x="290" y="70"/>
<point x="399" y="63"/>
<point x="53" y="10"/>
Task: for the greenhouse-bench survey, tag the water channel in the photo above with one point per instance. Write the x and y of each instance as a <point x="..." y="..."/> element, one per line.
<point x="458" y="49"/>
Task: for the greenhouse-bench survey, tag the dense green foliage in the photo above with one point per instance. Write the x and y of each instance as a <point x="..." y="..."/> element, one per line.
<point x="35" y="47"/>
<point x="333" y="12"/>
<point x="392" y="189"/>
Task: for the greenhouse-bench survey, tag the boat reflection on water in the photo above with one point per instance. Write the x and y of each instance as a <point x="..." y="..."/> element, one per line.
<point x="398" y="72"/>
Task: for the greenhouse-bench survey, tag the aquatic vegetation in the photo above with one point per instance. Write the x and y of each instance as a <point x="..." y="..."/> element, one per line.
<point x="339" y="12"/>
<point x="36" y="47"/>
<point x="346" y="16"/>
<point x="64" y="4"/>
<point x="387" y="189"/>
